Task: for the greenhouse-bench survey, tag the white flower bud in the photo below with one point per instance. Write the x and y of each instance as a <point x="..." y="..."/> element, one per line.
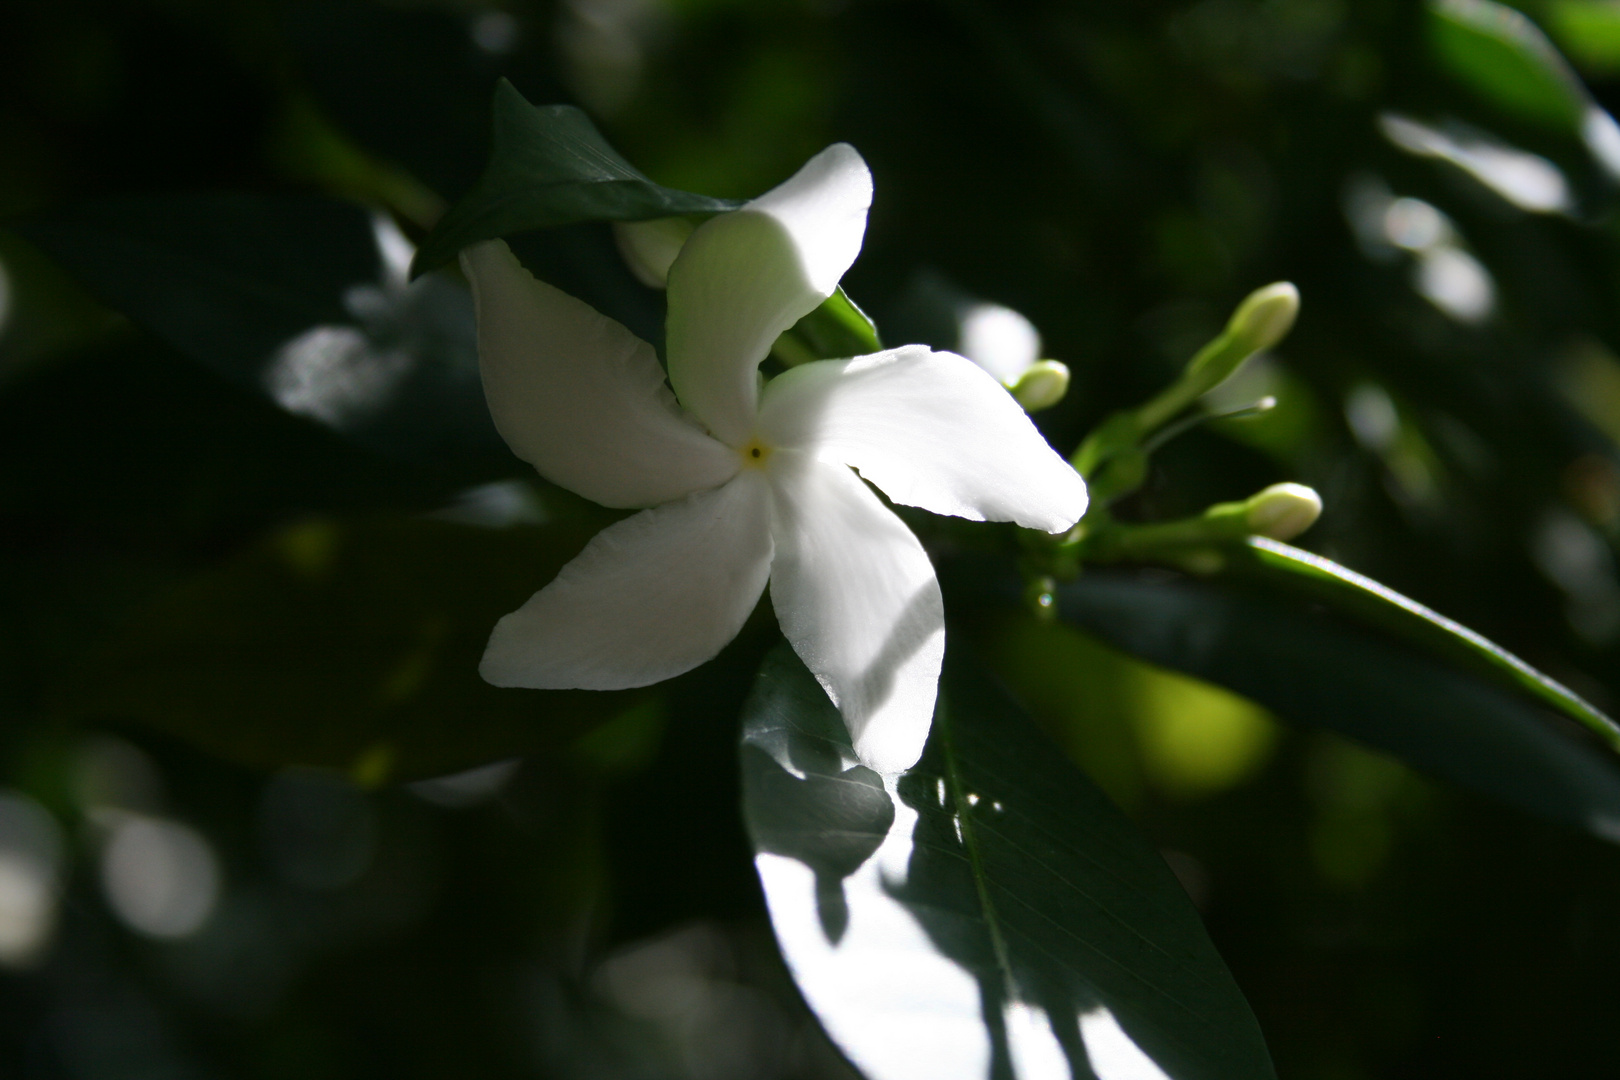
<point x="649" y="247"/>
<point x="1283" y="511"/>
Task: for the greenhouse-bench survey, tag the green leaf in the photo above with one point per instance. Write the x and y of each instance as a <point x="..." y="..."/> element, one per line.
<point x="550" y="166"/>
<point x="1589" y="31"/>
<point x="1364" y="599"/>
<point x="835" y="329"/>
<point x="838" y="328"/>
<point x="348" y="644"/>
<point x="300" y="299"/>
<point x="1313" y="668"/>
<point x="1499" y="53"/>
<point x="988" y="913"/>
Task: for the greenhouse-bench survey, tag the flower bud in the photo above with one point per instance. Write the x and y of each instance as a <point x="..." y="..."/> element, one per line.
<point x="1282" y="511"/>
<point x="1264" y="318"/>
<point x="649" y="247"/>
<point x="1041" y="385"/>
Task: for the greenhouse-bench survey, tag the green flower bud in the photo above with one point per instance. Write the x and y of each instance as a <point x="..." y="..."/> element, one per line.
<point x="1282" y="511"/>
<point x="1041" y="385"/>
<point x="649" y="247"/>
<point x="1265" y="317"/>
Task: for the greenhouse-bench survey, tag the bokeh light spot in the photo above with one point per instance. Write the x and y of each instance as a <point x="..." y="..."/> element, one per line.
<point x="30" y="869"/>
<point x="160" y="877"/>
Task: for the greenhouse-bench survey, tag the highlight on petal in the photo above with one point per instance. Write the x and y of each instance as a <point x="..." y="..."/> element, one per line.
<point x="856" y="596"/>
<point x="931" y="429"/>
<point x="649" y="598"/>
<point x="745" y="277"/>
<point x="578" y="396"/>
<point x="823" y="206"/>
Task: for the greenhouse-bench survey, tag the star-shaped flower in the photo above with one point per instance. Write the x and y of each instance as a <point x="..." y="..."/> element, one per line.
<point x="746" y="485"/>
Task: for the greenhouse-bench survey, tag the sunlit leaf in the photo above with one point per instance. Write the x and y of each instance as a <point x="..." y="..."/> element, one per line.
<point x="988" y="913"/>
<point x="346" y="644"/>
<point x="550" y="166"/>
<point x="1313" y="668"/>
<point x="1499" y="53"/>
<point x="838" y="328"/>
<point x="301" y="299"/>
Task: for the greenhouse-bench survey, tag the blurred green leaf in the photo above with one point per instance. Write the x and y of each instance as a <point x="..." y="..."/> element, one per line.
<point x="1589" y="31"/>
<point x="343" y="643"/>
<point x="1309" y="667"/>
<point x="1367" y="600"/>
<point x="550" y="166"/>
<point x="1129" y="724"/>
<point x="1506" y="59"/>
<point x="987" y="913"/>
<point x="301" y="299"/>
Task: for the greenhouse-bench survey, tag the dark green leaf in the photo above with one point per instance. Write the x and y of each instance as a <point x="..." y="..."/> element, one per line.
<point x="344" y="644"/>
<point x="1312" y="668"/>
<point x="550" y="166"/>
<point x="1506" y="59"/>
<point x="1362" y="598"/>
<point x="988" y="913"/>
<point x="301" y="299"/>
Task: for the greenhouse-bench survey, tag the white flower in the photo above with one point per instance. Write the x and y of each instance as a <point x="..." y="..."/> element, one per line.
<point x="747" y="484"/>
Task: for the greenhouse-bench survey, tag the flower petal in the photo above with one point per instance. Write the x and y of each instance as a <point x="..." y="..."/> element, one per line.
<point x="931" y="429"/>
<point x="745" y="277"/>
<point x="578" y="396"/>
<point x="650" y="597"/>
<point x="856" y="596"/>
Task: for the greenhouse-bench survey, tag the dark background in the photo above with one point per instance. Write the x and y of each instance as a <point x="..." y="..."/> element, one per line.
<point x="1121" y="173"/>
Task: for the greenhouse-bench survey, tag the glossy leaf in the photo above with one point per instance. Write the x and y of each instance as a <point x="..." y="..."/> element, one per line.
<point x="1312" y="668"/>
<point x="303" y="300"/>
<point x="1362" y="598"/>
<point x="550" y="166"/>
<point x="986" y="914"/>
<point x="1506" y="59"/>
<point x="342" y="644"/>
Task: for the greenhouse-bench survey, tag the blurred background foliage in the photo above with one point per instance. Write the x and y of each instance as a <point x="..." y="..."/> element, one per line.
<point x="241" y="617"/>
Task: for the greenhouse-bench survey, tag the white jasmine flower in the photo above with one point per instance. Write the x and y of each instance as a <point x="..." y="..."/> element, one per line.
<point x="746" y="485"/>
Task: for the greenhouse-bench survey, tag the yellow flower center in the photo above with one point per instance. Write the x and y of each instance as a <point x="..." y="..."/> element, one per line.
<point x="755" y="453"/>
